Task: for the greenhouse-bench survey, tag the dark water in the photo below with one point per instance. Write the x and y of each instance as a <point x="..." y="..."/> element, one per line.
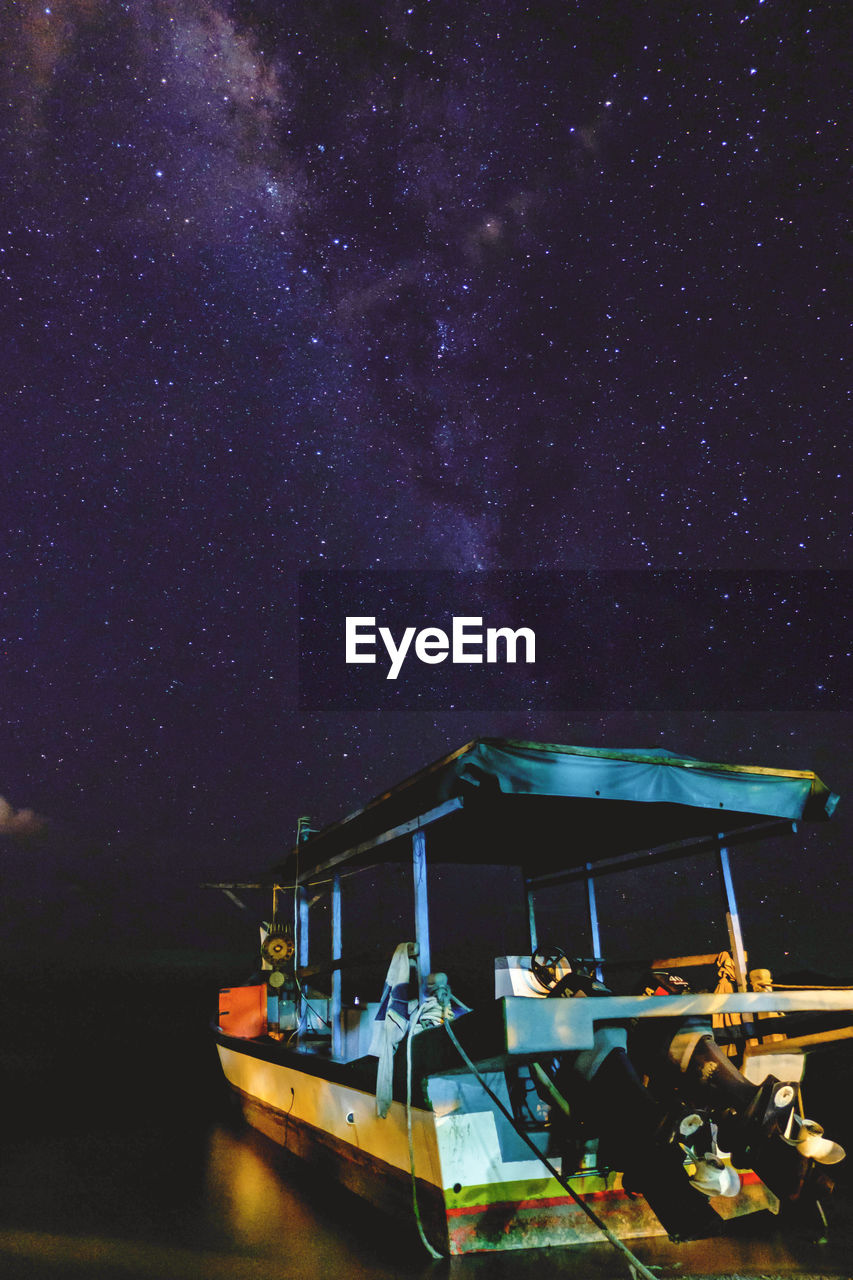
<point x="122" y="1156"/>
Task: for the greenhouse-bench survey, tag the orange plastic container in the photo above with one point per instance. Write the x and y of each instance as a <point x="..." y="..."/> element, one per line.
<point x="243" y="1011"/>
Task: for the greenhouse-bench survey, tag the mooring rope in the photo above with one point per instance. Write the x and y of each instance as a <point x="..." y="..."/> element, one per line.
<point x="424" y="1241"/>
<point x="636" y="1266"/>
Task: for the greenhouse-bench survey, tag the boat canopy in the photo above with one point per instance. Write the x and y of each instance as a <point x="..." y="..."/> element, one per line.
<point x="549" y="808"/>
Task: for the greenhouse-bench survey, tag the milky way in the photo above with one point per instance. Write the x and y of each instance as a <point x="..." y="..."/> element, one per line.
<point x="388" y="286"/>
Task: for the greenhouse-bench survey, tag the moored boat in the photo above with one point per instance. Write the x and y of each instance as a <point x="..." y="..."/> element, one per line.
<point x="554" y="1107"/>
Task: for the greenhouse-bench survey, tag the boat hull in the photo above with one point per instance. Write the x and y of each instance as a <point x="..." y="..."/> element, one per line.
<point x="334" y="1127"/>
<point x="473" y="1193"/>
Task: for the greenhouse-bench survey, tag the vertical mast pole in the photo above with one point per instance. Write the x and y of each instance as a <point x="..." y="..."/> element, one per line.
<point x="419" y="871"/>
<point x="592" y="908"/>
<point x="335" y="1008"/>
<point x="302" y="947"/>
<point x="732" y="917"/>
<point x="302" y="920"/>
<point x="531" y="919"/>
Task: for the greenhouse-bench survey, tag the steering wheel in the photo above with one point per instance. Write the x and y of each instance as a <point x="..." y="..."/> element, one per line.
<point x="574" y="981"/>
<point x="544" y="964"/>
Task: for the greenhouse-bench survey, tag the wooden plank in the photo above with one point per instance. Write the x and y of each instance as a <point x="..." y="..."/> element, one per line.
<point x="685" y="962"/>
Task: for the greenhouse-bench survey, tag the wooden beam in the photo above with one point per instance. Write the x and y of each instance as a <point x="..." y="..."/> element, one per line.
<point x="685" y="962"/>
<point x="793" y="1043"/>
<point x="363" y="959"/>
<point x="405" y="828"/>
<point x="667" y="852"/>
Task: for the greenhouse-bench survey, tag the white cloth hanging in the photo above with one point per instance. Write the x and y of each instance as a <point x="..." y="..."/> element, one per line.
<point x="390" y="1024"/>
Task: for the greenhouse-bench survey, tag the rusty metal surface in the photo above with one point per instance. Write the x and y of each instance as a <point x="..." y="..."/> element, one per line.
<point x="759" y="1247"/>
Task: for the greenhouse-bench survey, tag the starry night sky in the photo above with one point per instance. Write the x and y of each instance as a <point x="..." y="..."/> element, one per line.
<point x="389" y="286"/>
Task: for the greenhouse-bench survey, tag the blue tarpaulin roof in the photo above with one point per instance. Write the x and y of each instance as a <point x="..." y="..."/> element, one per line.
<point x="545" y="806"/>
<point x="651" y="776"/>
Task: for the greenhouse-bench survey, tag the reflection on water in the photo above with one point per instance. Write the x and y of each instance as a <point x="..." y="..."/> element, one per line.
<point x="242" y="1194"/>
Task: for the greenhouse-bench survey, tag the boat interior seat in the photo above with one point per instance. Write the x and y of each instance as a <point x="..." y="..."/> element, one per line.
<point x="515" y="977"/>
<point x="357" y="1023"/>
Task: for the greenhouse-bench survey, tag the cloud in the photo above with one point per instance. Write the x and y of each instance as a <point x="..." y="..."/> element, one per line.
<point x="20" y="823"/>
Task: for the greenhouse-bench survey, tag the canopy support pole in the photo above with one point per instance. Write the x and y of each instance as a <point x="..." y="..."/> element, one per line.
<point x="531" y="919"/>
<point x="301" y="947"/>
<point x="732" y="917"/>
<point x="335" y="1008"/>
<point x="592" y="908"/>
<point x="419" y="871"/>
<point x="302" y="923"/>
